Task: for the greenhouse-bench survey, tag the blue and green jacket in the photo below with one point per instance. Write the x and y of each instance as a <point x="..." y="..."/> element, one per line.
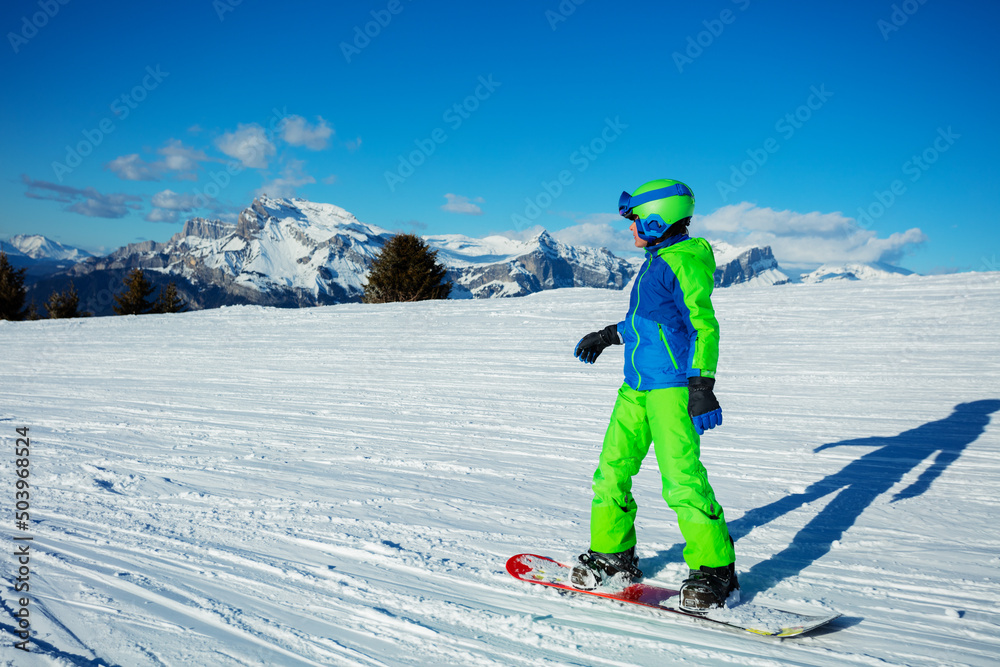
<point x="670" y="332"/>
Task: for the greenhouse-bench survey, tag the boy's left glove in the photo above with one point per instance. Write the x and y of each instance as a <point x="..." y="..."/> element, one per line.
<point x="591" y="345"/>
<point x="702" y="404"/>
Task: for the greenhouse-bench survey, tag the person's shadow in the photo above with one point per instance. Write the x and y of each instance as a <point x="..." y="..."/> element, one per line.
<point x="859" y="483"/>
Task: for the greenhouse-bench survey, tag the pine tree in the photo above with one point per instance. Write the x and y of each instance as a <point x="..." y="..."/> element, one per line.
<point x="135" y="299"/>
<point x="32" y="312"/>
<point x="406" y="270"/>
<point x="62" y="305"/>
<point x="12" y="292"/>
<point x="169" y="301"/>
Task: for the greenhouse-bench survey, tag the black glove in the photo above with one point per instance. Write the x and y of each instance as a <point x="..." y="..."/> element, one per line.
<point x="702" y="404"/>
<point x="591" y="345"/>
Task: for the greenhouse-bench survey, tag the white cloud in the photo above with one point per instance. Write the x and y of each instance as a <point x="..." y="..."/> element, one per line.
<point x="248" y="144"/>
<point x="525" y="234"/>
<point x="464" y="205"/>
<point x="292" y="176"/>
<point x="178" y="157"/>
<point x="175" y="202"/>
<point x="297" y="131"/>
<point x="353" y="145"/>
<point x="161" y="215"/>
<point x="132" y="168"/>
<point x="594" y="230"/>
<point x="614" y="236"/>
<point x="801" y="239"/>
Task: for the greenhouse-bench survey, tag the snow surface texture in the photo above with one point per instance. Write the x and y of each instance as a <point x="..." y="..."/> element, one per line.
<point x="343" y="485"/>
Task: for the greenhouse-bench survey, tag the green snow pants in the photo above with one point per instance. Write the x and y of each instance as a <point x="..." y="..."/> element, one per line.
<point x="659" y="416"/>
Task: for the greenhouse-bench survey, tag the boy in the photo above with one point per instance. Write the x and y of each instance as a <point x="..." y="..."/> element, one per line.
<point x="671" y="339"/>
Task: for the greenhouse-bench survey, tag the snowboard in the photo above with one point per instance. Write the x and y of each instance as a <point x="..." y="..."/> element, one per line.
<point x="753" y="618"/>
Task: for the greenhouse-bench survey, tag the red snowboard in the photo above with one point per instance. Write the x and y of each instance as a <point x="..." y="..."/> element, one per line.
<point x="749" y="617"/>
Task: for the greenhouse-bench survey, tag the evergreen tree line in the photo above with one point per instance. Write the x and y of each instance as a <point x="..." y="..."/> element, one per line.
<point x="135" y="299"/>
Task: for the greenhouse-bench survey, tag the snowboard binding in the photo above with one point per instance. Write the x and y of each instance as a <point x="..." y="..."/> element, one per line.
<point x="596" y="569"/>
<point x="709" y="588"/>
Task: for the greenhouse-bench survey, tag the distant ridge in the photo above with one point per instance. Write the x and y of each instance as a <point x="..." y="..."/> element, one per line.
<point x="293" y="253"/>
<point x="855" y="271"/>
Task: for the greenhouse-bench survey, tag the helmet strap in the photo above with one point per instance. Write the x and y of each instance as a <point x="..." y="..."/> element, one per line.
<point x="676" y="229"/>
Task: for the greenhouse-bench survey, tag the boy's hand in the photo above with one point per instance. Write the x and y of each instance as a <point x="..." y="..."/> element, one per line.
<point x="591" y="345"/>
<point x="702" y="404"/>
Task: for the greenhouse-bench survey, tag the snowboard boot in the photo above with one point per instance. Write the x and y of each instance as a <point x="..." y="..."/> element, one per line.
<point x="709" y="588"/>
<point x="598" y="568"/>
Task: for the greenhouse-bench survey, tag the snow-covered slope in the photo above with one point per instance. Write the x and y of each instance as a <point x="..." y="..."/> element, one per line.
<point x="856" y="271"/>
<point x="342" y="485"/>
<point x="40" y="247"/>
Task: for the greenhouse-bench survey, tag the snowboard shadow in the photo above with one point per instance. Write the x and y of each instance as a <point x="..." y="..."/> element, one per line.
<point x="857" y="485"/>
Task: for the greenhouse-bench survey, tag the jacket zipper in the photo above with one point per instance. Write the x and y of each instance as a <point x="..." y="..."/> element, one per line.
<point x="638" y="297"/>
<point x="663" y="337"/>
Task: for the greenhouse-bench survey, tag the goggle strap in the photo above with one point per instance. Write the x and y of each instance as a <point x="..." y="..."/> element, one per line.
<point x="670" y="191"/>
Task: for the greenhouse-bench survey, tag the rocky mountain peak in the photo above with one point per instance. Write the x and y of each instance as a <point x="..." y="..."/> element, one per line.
<point x="205" y="229"/>
<point x="735" y="265"/>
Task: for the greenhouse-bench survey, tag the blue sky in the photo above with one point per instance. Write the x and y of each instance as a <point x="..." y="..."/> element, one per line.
<point x="831" y="131"/>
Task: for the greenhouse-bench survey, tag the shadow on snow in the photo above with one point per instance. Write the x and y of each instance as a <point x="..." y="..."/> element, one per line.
<point x="857" y="486"/>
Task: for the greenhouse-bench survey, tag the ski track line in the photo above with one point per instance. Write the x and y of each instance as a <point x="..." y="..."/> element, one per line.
<point x="203" y="616"/>
<point x="357" y="553"/>
<point x="408" y="626"/>
<point x="415" y="570"/>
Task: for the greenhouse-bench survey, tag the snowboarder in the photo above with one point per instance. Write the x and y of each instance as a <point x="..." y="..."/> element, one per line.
<point x="671" y="339"/>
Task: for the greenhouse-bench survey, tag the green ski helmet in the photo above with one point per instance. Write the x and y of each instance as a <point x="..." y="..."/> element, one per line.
<point x="657" y="205"/>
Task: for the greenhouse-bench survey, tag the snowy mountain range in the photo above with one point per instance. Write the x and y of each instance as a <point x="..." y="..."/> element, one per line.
<point x="40" y="255"/>
<point x="855" y="271"/>
<point x="497" y="266"/>
<point x="294" y="253"/>
<point x="39" y="247"/>
<point x="280" y="252"/>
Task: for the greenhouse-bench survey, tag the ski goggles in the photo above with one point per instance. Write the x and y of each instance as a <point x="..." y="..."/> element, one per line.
<point x="627" y="202"/>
